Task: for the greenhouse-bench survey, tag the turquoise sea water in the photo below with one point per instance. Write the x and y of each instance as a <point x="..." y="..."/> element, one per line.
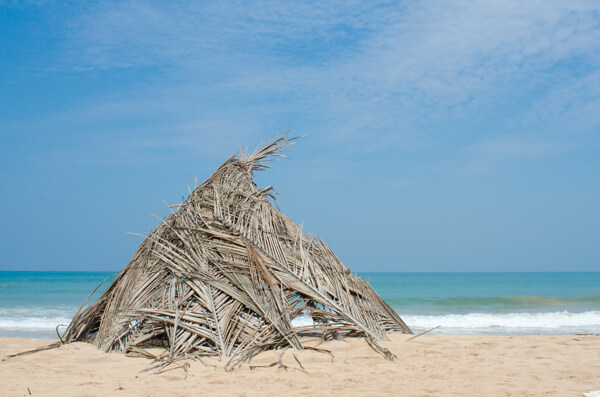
<point x="32" y="304"/>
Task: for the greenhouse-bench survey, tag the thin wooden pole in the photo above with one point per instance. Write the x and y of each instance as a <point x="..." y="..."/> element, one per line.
<point x="424" y="332"/>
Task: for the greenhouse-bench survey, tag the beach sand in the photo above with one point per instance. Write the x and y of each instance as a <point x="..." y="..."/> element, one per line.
<point x="430" y="365"/>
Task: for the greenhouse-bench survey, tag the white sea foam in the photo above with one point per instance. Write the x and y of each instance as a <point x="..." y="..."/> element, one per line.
<point x="302" y="321"/>
<point x="35" y="318"/>
<point x="504" y="323"/>
<point x="34" y="322"/>
<point x="507" y="322"/>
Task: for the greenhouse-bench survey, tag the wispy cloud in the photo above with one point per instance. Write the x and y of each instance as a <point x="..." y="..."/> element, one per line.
<point x="377" y="76"/>
<point x="451" y="115"/>
<point x="515" y="147"/>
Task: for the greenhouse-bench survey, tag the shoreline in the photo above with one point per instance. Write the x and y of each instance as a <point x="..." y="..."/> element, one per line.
<point x="416" y="330"/>
<point x="428" y="365"/>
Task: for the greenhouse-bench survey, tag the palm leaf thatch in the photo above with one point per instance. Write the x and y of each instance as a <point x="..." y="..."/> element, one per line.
<point x="226" y="274"/>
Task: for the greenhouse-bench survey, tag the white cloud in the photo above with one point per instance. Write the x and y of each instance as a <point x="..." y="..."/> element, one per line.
<point x="377" y="75"/>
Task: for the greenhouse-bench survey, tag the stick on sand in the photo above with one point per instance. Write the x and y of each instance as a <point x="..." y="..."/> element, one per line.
<point x="424" y="332"/>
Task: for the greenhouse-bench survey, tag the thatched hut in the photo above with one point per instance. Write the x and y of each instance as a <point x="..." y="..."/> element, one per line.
<point x="226" y="274"/>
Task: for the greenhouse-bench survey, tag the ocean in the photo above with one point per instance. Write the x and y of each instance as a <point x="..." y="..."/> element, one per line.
<point x="32" y="304"/>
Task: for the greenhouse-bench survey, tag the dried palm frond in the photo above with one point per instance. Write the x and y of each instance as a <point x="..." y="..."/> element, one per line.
<point x="226" y="274"/>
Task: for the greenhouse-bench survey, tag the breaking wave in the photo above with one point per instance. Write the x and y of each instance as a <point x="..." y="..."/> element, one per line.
<point x="506" y="323"/>
<point x="29" y="318"/>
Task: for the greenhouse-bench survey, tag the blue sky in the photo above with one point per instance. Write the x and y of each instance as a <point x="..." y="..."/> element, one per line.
<point x="440" y="136"/>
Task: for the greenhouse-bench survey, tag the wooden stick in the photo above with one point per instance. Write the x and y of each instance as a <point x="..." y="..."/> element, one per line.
<point x="424" y="332"/>
<point x="39" y="349"/>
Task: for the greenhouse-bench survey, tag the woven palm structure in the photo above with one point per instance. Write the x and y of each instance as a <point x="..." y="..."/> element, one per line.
<point x="226" y="274"/>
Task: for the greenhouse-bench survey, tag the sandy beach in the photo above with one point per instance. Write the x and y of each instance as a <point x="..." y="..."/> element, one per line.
<point x="431" y="365"/>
